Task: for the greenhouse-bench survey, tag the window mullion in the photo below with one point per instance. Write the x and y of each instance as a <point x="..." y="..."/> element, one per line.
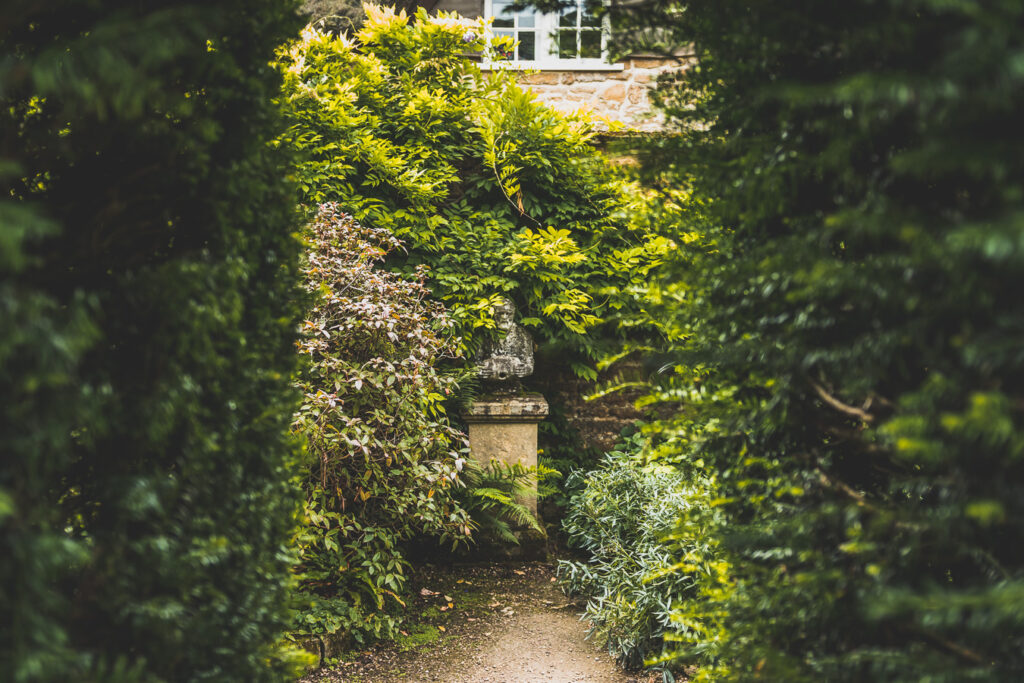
<point x="547" y="24"/>
<point x="515" y="35"/>
<point x="579" y="31"/>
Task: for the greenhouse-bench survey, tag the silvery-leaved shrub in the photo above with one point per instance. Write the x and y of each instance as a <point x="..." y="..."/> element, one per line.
<point x="622" y="518"/>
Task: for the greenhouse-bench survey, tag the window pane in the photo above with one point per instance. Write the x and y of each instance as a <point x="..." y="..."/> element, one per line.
<point x="568" y="19"/>
<point x="527" y="45"/>
<point x="590" y="44"/>
<point x="590" y="20"/>
<point x="567" y="44"/>
<point x="526" y="20"/>
<point x="502" y="15"/>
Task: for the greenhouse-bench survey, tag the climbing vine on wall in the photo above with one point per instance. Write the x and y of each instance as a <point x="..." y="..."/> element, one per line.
<point x="496" y="193"/>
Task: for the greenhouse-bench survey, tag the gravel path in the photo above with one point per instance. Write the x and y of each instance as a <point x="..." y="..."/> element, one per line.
<point x="541" y="646"/>
<point x="508" y="624"/>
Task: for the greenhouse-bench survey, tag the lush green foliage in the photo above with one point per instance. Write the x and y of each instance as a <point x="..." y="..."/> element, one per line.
<point x="383" y="462"/>
<point x="147" y="274"/>
<point x="621" y="517"/>
<point x="498" y="194"/>
<point x="847" y="330"/>
<point x="494" y="498"/>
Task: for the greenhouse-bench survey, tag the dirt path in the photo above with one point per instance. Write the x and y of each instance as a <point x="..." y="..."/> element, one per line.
<point x="493" y="624"/>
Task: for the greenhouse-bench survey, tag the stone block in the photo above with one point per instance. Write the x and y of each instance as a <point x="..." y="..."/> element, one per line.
<point x="590" y="77"/>
<point x="615" y="92"/>
<point x="637" y="94"/>
<point x="542" y="78"/>
<point x="514" y="408"/>
<point x="650" y="63"/>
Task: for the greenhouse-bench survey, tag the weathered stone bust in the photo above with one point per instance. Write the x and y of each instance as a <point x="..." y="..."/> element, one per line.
<point x="510" y="357"/>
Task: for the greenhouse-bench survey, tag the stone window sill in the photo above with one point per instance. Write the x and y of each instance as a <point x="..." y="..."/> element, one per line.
<point x="549" y="66"/>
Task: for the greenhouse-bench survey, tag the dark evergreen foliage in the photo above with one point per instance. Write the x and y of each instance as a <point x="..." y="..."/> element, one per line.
<point x="847" y="326"/>
<point x="147" y="280"/>
<point x="852" y="333"/>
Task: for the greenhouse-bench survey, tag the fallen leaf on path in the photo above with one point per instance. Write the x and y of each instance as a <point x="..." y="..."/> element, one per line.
<point x="426" y="592"/>
<point x="442" y="629"/>
<point x="521" y="573"/>
<point x="448" y="598"/>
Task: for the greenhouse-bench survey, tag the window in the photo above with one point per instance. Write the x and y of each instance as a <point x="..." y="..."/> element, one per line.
<point x="573" y="37"/>
<point x="520" y="26"/>
<point x="579" y="34"/>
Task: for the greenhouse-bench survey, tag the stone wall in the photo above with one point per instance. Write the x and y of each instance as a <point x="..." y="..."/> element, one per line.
<point x="599" y="421"/>
<point x="623" y="96"/>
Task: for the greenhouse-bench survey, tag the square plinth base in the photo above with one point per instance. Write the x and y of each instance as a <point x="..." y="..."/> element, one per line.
<point x="504" y="428"/>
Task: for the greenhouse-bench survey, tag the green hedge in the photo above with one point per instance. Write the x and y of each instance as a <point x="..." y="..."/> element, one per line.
<point x="850" y="327"/>
<point x="147" y="279"/>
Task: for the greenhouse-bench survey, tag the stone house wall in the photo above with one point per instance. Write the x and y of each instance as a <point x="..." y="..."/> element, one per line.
<point x="621" y="96"/>
<point x="617" y="94"/>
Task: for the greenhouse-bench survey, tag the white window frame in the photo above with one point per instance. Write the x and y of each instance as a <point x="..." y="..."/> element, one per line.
<point x="545" y="28"/>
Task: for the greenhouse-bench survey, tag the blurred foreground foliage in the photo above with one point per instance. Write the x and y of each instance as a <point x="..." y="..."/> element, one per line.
<point x="148" y="275"/>
<point x="845" y="329"/>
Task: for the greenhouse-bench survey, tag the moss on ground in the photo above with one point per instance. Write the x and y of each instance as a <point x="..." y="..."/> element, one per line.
<point x="417" y="636"/>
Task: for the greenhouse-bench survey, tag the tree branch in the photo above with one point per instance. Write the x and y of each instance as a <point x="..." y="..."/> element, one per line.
<point x="839" y="405"/>
<point x="949" y="645"/>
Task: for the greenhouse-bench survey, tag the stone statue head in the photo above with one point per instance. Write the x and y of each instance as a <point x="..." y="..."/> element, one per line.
<point x="504" y="314"/>
<point x="509" y="355"/>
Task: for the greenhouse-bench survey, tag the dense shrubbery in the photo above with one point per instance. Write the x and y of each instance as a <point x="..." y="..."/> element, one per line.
<point x="383" y="461"/>
<point x="147" y="274"/>
<point x="384" y="466"/>
<point x="498" y="194"/>
<point x="849" y="332"/>
<point x="621" y="518"/>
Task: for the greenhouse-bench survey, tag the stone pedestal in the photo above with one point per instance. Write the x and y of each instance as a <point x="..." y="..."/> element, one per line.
<point x="504" y="428"/>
